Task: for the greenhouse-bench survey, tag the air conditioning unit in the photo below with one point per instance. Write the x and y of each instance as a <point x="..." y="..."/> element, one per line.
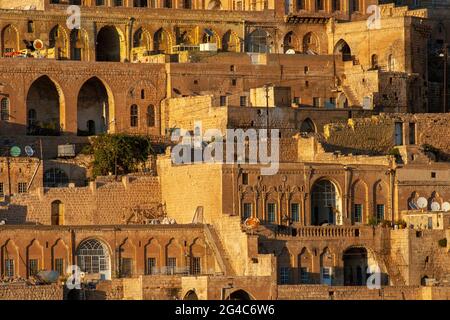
<point x="66" y="151"/>
<point x="208" y="47"/>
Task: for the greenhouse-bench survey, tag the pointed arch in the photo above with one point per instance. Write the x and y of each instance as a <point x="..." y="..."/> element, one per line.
<point x="380" y="201"/>
<point x="79" y="45"/>
<point x="342" y="48"/>
<point x="153" y="256"/>
<point x="360" y="202"/>
<point x="35" y="258"/>
<point x="10" y="259"/>
<point x="259" y="41"/>
<point x="46" y="103"/>
<point x="60" y="256"/>
<point x="231" y="42"/>
<point x="311" y="43"/>
<point x="308" y="126"/>
<point x="110" y="46"/>
<point x="291" y="42"/>
<point x="10" y="39"/>
<point x="163" y="42"/>
<point x="58" y="43"/>
<point x="95" y="107"/>
<point x="211" y="36"/>
<point x="305" y="266"/>
<point x="326" y="202"/>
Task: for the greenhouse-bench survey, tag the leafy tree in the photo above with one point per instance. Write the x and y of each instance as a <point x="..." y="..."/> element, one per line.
<point x="118" y="153"/>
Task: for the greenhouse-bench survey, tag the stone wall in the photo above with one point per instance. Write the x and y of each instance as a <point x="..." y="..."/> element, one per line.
<point x="356" y="293"/>
<point x="26" y="292"/>
<point x="377" y="134"/>
<point x="100" y="203"/>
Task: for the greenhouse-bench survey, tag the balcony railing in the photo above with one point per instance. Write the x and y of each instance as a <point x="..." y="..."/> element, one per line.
<point x="320" y="232"/>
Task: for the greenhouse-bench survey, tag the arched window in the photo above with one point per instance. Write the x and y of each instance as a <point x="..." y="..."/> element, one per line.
<point x="4" y="110"/>
<point x="374" y="61"/>
<point x="134" y="116"/>
<point x="258" y="41"/>
<point x="308" y="126"/>
<point x="57" y="213"/>
<point x="391" y="63"/>
<point x="324" y="203"/>
<point x="93" y="257"/>
<point x="150" y="116"/>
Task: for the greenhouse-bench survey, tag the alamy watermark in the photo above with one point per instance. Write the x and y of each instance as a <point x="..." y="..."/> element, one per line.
<point x="249" y="146"/>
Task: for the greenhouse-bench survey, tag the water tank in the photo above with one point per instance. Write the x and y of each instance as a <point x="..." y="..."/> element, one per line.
<point x="66" y="150"/>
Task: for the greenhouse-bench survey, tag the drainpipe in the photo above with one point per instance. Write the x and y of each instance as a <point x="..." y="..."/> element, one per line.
<point x="130" y="37"/>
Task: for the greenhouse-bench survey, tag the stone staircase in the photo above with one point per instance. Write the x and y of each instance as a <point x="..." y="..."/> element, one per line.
<point x="392" y="266"/>
<point x="221" y="254"/>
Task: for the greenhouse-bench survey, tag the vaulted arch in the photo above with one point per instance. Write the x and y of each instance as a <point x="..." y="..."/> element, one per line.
<point x="58" y="43"/>
<point x="45" y="107"/>
<point x="231" y="42"/>
<point x="359" y="200"/>
<point x="10" y="40"/>
<point x="95" y="107"/>
<point x="311" y="43"/>
<point x="162" y="42"/>
<point x="342" y="48"/>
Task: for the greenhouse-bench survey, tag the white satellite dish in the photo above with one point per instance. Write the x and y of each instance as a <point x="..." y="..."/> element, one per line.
<point x="290" y="51"/>
<point x="446" y="207"/>
<point x="422" y="203"/>
<point x="38" y="44"/>
<point x="435" y="206"/>
<point x="29" y="151"/>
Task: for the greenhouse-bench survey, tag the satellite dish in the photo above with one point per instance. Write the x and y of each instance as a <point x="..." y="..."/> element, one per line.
<point x="290" y="51"/>
<point x="422" y="203"/>
<point x="29" y="151"/>
<point x="15" y="151"/>
<point x="446" y="207"/>
<point x="435" y="206"/>
<point x="252" y="223"/>
<point x="38" y="44"/>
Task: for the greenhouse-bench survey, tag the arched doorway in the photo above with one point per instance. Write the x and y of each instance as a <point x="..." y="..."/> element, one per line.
<point x="308" y="126"/>
<point x="190" y="295"/>
<point x="311" y="43"/>
<point x="44" y="104"/>
<point x="108" y="44"/>
<point x="231" y="42"/>
<point x="162" y="42"/>
<point x="58" y="42"/>
<point x="57" y="216"/>
<point x="343" y="49"/>
<point x="325" y="204"/>
<point x="259" y="42"/>
<point x="10" y="40"/>
<point x="355" y="266"/>
<point x="78" y="45"/>
<point x="93" y="108"/>
<point x="93" y="257"/>
<point x="214" y="5"/>
<point x="240" y="295"/>
<point x="290" y="42"/>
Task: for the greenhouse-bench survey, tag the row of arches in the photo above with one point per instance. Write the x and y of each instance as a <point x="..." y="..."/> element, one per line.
<point x="110" y="42"/>
<point x="45" y="107"/>
<point x="351" y="267"/>
<point x="95" y="257"/>
<point x="324" y="205"/>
